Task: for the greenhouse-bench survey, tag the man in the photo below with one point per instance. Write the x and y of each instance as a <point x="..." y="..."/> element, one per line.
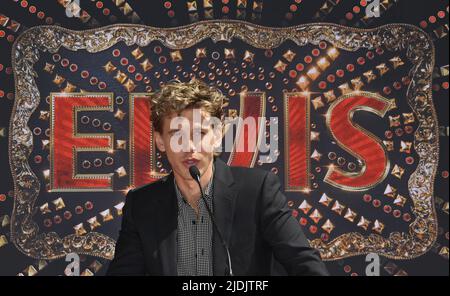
<point x="166" y="227"/>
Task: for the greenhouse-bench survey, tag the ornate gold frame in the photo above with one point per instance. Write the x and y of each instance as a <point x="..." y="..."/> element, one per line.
<point x="420" y="51"/>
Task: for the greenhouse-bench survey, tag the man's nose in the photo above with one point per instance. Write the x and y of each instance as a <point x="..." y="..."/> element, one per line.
<point x="194" y="144"/>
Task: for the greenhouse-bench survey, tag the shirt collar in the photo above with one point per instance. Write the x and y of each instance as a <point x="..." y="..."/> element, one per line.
<point x="207" y="190"/>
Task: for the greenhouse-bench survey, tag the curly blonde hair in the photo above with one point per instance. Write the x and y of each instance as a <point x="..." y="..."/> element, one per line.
<point x="176" y="96"/>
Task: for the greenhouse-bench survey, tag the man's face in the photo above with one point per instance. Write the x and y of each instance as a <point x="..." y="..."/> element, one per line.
<point x="189" y="139"/>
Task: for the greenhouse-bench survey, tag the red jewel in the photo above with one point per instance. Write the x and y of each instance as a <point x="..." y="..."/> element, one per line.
<point x="376" y="203"/>
<point x="106" y="11"/>
<point x="94" y="80"/>
<point x="84" y="74"/>
<point x="47" y="223"/>
<point x="225" y="9"/>
<point x="409" y="160"/>
<point x="409" y="129"/>
<point x="347" y="268"/>
<point x="78" y="210"/>
<point x="293" y="8"/>
<point x="315" y="52"/>
<point x="167" y="4"/>
<point x="324" y="237"/>
<point x="38" y="159"/>
<point x="162" y="60"/>
<point x="406" y="217"/>
<point x="99" y="4"/>
<point x="171" y="13"/>
<point x="102" y="85"/>
<point x="292" y="73"/>
<point x="303" y="221"/>
<point x="116" y="53"/>
<point x="41" y="14"/>
<point x="89" y="205"/>
<point x="331" y="78"/>
<point x="57" y="219"/>
<point x="124" y="61"/>
<point x="340" y="73"/>
<point x="397" y="85"/>
<point x="406" y="80"/>
<point x="2" y="197"/>
<point x="73" y="68"/>
<point x="349" y="16"/>
<point x="387" y="209"/>
<point x="356" y="9"/>
<point x="350" y="67"/>
<point x="444" y="174"/>
<point x="67" y="215"/>
<point x="64" y="62"/>
<point x="399" y="132"/>
<point x="361" y="61"/>
<point x="308" y="59"/>
<point x="157" y="49"/>
<point x="387" y="90"/>
<point x="313" y="229"/>
<point x="388" y="134"/>
<point x="138" y="77"/>
<point x="370" y="55"/>
<point x="397" y="213"/>
<point x="322" y="85"/>
<point x="131" y="68"/>
<point x="300" y="67"/>
<point x="322" y="45"/>
<point x="379" y="51"/>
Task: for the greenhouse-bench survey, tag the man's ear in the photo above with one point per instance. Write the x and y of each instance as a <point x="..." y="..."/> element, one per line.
<point x="159" y="142"/>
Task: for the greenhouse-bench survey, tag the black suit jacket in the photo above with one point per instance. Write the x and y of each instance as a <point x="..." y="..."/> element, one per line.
<point x="250" y="211"/>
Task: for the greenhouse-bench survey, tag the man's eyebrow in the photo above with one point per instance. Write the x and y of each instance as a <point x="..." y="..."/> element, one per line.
<point x="173" y="130"/>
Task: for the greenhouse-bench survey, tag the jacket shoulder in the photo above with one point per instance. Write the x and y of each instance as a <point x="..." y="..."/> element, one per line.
<point x="246" y="174"/>
<point x="150" y="190"/>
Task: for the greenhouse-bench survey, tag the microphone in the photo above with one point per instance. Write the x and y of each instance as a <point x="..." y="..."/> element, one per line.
<point x="195" y="174"/>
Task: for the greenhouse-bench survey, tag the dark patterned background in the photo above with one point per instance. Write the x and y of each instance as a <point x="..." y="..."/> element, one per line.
<point x="16" y="16"/>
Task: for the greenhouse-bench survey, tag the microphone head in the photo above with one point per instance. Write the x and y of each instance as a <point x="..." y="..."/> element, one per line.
<point x="195" y="173"/>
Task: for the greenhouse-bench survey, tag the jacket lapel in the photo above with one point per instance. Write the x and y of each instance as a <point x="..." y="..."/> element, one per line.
<point x="223" y="210"/>
<point x="167" y="224"/>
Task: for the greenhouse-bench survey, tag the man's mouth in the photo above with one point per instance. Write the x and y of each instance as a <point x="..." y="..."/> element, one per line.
<point x="190" y="162"/>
